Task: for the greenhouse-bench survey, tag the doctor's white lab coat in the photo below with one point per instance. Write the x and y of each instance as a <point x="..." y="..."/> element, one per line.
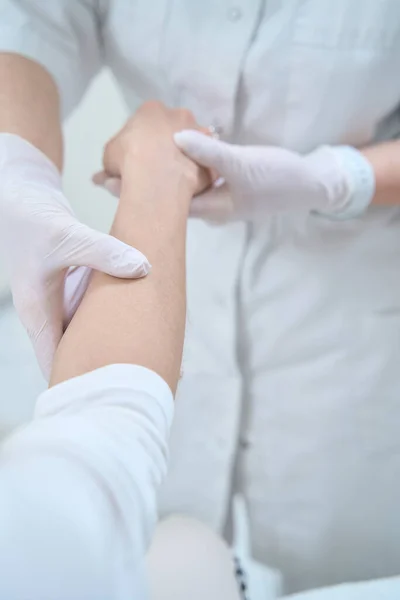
<point x="291" y="385"/>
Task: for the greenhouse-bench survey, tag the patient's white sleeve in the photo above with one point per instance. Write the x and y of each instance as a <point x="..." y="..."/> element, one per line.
<point x="64" y="36"/>
<point x="78" y="488"/>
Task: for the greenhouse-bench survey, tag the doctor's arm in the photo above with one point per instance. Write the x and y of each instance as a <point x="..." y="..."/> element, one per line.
<point x="29" y="105"/>
<point x="78" y="485"/>
<point x="385" y="161"/>
<point x="49" y="52"/>
<point x="338" y="182"/>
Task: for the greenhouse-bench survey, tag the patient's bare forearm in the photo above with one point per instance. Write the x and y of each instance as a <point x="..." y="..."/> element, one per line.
<point x="140" y="322"/>
<point x="29" y="105"/>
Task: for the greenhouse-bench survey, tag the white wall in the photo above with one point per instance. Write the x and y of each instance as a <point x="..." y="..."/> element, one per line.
<point x="99" y="117"/>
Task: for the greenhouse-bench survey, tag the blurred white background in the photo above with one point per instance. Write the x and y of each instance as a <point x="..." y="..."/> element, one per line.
<point x="101" y="114"/>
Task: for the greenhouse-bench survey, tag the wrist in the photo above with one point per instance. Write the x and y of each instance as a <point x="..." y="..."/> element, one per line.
<point x="152" y="204"/>
<point x="161" y="158"/>
<point x="156" y="183"/>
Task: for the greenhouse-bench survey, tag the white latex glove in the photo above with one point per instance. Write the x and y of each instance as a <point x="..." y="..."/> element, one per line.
<point x="40" y="238"/>
<point x="266" y="180"/>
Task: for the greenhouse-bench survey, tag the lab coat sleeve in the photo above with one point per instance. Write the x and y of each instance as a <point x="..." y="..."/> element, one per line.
<point x="78" y="488"/>
<point x="379" y="589"/>
<point x="61" y="35"/>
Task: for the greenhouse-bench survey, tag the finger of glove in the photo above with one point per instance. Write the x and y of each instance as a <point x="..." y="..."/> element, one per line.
<point x="205" y="150"/>
<point x="86" y="247"/>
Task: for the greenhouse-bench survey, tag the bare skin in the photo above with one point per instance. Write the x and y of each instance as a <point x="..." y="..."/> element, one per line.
<point x="143" y="321"/>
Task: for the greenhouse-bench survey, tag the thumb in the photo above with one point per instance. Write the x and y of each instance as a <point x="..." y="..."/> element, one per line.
<point x="206" y="151"/>
<point x="111" y="184"/>
<point x="103" y="252"/>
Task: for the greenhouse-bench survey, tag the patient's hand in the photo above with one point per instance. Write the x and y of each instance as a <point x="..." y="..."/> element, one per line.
<point x="147" y="139"/>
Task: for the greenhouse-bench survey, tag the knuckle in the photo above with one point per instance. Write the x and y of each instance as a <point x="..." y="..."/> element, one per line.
<point x="186" y="115"/>
<point x="152" y="105"/>
<point x="108" y="148"/>
<point x="112" y="153"/>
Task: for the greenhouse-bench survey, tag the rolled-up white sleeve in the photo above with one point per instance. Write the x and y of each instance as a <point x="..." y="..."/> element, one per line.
<point x="61" y="35"/>
<point x="78" y="488"/>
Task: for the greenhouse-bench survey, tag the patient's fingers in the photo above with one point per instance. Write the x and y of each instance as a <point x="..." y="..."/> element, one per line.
<point x="214" y="205"/>
<point x="107" y="179"/>
<point x="111" y="184"/>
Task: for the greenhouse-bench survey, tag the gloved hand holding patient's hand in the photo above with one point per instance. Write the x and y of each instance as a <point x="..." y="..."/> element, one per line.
<point x="267" y="180"/>
<point x="40" y="238"/>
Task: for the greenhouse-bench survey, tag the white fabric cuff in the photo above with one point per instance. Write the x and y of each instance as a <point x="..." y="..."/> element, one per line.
<point x="361" y="181"/>
<point x="71" y="395"/>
